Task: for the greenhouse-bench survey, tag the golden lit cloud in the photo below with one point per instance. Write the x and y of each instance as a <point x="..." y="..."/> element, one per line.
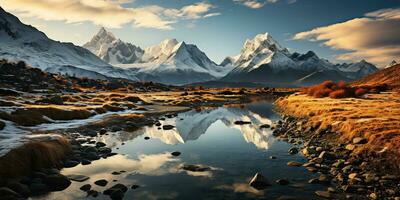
<point x="374" y="37"/>
<point x="256" y="4"/>
<point x="108" y="13"/>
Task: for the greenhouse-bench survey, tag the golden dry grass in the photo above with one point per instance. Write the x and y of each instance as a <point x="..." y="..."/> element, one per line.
<point x="376" y="118"/>
<point x="34" y="155"/>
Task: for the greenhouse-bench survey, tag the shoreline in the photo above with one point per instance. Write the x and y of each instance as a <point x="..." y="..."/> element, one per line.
<point x="351" y="166"/>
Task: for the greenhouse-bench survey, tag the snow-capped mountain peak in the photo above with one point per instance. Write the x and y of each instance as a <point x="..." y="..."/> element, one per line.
<point x="113" y="50"/>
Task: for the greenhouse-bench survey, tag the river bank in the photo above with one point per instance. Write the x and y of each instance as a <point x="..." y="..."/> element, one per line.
<point x="353" y="143"/>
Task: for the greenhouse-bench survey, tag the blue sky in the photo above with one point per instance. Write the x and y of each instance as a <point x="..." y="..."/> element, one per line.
<point x="218" y="35"/>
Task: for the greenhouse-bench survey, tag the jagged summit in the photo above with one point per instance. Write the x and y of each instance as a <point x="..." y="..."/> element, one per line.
<point x="113" y="50"/>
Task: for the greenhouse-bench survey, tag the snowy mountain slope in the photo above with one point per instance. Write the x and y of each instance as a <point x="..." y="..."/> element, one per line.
<point x="23" y="42"/>
<point x="391" y="64"/>
<point x="174" y="62"/>
<point x="262" y="59"/>
<point x="112" y="50"/>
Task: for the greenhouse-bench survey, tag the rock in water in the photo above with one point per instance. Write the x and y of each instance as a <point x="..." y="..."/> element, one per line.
<point x="176" y="153"/>
<point x="168" y="127"/>
<point x="77" y="177"/>
<point x="259" y="182"/>
<point x="57" y="182"/>
<point x="101" y="182"/>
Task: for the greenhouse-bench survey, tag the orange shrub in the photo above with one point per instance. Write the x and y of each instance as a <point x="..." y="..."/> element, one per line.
<point x="341" y="90"/>
<point x="360" y="92"/>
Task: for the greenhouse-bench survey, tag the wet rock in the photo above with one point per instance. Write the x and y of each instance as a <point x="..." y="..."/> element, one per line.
<point x="7" y="193"/>
<point x="2" y="125"/>
<point x="265" y="126"/>
<point x="85" y="187"/>
<point x="324" y="155"/>
<point x="116" y="192"/>
<point x="20" y="188"/>
<point x="293" y="150"/>
<point x="92" y="193"/>
<point x="308" y="151"/>
<point x="147" y="138"/>
<point x="272" y="157"/>
<point x="157" y="124"/>
<point x="88" y="149"/>
<point x="241" y="122"/>
<point x="259" y="182"/>
<point x="103" y="131"/>
<point x="373" y="195"/>
<point x="313" y="181"/>
<point x="168" y="127"/>
<point x="116" y="173"/>
<point x="86" y="162"/>
<point x="196" y="168"/>
<point x="176" y="153"/>
<point x="353" y="175"/>
<point x="282" y="181"/>
<point x="100" y="144"/>
<point x="70" y="163"/>
<point x="323" y="178"/>
<point x="294" y="164"/>
<point x="324" y="194"/>
<point x="331" y="190"/>
<point x="104" y="150"/>
<point x="38" y="188"/>
<point x="101" y="182"/>
<point x="133" y="187"/>
<point x="360" y="140"/>
<point x="57" y="182"/>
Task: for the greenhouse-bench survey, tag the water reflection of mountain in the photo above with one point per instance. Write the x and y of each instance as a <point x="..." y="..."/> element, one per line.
<point x="191" y="125"/>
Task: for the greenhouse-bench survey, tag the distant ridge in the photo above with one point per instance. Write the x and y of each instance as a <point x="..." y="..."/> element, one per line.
<point x="389" y="76"/>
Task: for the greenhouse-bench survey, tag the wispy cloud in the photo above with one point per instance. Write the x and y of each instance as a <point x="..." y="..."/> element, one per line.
<point x="256" y="4"/>
<point x="108" y="13"/>
<point x="374" y="37"/>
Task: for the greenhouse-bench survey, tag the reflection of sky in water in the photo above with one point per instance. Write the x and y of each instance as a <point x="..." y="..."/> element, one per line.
<point x="235" y="153"/>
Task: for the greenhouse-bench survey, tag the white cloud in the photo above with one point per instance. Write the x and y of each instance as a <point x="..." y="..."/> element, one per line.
<point x="108" y="13"/>
<point x="374" y="37"/>
<point x="254" y="4"/>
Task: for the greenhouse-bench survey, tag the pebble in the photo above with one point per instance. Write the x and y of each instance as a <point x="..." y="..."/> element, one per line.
<point x="360" y="140"/>
<point x="101" y="182"/>
<point x="176" y="153"/>
<point x="259" y="182"/>
<point x="85" y="187"/>
<point x="294" y="164"/>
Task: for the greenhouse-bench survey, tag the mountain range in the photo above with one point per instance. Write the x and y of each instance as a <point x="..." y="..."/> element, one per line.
<point x="262" y="59"/>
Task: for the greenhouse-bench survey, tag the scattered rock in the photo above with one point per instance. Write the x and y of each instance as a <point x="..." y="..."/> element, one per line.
<point x="259" y="182"/>
<point x="86" y="162"/>
<point x="101" y="182"/>
<point x="293" y="150"/>
<point x="20" y="188"/>
<point x="176" y="153"/>
<point x="116" y="173"/>
<point x="168" y="127"/>
<point x="92" y="193"/>
<point x="360" y="140"/>
<point x="102" y="131"/>
<point x="272" y="157"/>
<point x="85" y="187"/>
<point x="116" y="192"/>
<point x="147" y="138"/>
<point x="324" y="194"/>
<point x="57" y="182"/>
<point x="350" y="147"/>
<point x="70" y="163"/>
<point x="241" y="122"/>
<point x="265" y="126"/>
<point x="294" y="164"/>
<point x="7" y="192"/>
<point x="100" y="144"/>
<point x="133" y="187"/>
<point x="282" y="181"/>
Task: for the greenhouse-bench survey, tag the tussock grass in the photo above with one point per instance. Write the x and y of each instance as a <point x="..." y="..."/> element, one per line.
<point x="376" y="117"/>
<point x="32" y="156"/>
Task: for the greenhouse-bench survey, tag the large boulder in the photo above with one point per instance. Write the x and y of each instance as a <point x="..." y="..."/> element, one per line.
<point x="57" y="182"/>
